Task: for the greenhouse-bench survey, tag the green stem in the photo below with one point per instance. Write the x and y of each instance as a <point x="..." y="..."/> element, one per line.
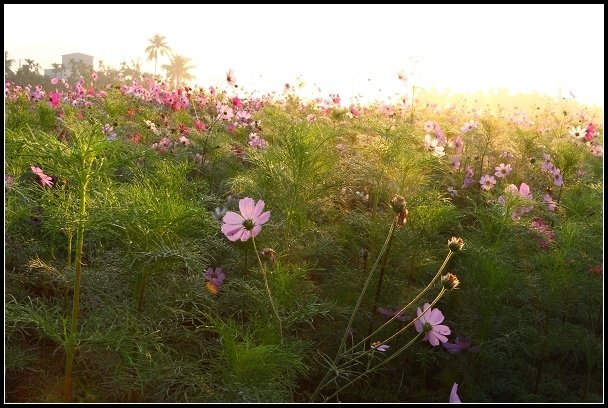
<point x="70" y="346"/>
<point x="403" y="309"/>
<point x="352" y="317"/>
<point x="398" y="352"/>
<point x="379" y="287"/>
<point x="274" y="308"/>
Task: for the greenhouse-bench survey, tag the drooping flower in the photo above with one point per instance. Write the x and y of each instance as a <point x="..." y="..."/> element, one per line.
<point x="230" y="78"/>
<point x="392" y="313"/>
<point x="450" y="281"/>
<point x="503" y="170"/>
<point x="458" y="144"/>
<point x="455" y="162"/>
<point x="547" y="164"/>
<point x="44" y="179"/>
<point x="429" y="322"/>
<point x="257" y="142"/>
<point x="215" y="279"/>
<point x="590" y="132"/>
<point x="468" y="178"/>
<point x="454" y="398"/>
<point x="460" y="344"/>
<point x="545" y="237"/>
<point x="551" y="205"/>
<point x="380" y="347"/>
<point x="453" y="192"/>
<point x="248" y="223"/>
<point x="487" y="182"/>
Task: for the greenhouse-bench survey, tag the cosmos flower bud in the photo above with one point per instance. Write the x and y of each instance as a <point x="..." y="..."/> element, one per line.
<point x="399" y="206"/>
<point x="450" y="281"/>
<point x="455" y="244"/>
<point x="398" y="203"/>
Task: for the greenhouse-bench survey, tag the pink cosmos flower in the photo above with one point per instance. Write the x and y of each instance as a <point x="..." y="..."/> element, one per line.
<point x="248" y="223"/>
<point x="94" y="76"/>
<point x="311" y="117"/>
<point x="590" y="132"/>
<point x="458" y="144"/>
<point x="460" y="344"/>
<point x="597" y="150"/>
<point x="54" y="81"/>
<point x="468" y="179"/>
<point x="380" y="347"/>
<point x="429" y="323"/>
<point x="547" y="164"/>
<point x="44" y="179"/>
<point x="551" y="205"/>
<point x="200" y="125"/>
<point x="454" y="398"/>
<point x="354" y="111"/>
<point x="225" y="113"/>
<point x="215" y="279"/>
<point x="54" y="99"/>
<point x="557" y="177"/>
<point x="503" y="170"/>
<point x="230" y="78"/>
<point x="455" y="162"/>
<point x="470" y="125"/>
<point x="487" y="182"/>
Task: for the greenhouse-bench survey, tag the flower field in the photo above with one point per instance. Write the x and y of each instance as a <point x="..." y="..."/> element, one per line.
<point x="177" y="244"/>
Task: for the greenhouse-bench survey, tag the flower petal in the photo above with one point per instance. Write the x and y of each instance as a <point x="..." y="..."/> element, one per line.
<point x="246" y="235"/>
<point x="454" y="398"/>
<point x="256" y="230"/>
<point x="257" y="210"/>
<point x="442" y="329"/>
<point x="438" y="337"/>
<point x="433" y="339"/>
<point x="246" y="205"/>
<point x="435" y="317"/>
<point x="418" y="325"/>
<point x="237" y="235"/>
<point x="233" y="218"/>
<point x="231" y="229"/>
<point x="262" y="219"/>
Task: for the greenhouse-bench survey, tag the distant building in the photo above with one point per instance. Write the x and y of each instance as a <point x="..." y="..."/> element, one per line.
<point x="69" y="61"/>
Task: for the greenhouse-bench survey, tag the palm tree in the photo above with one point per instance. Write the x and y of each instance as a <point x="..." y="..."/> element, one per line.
<point x="157" y="45"/>
<point x="29" y="63"/>
<point x="7" y="63"/>
<point x="177" y="70"/>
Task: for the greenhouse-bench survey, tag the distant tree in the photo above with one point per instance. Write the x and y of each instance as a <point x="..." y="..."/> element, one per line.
<point x="132" y="70"/>
<point x="56" y="68"/>
<point x="8" y="62"/>
<point x="177" y="70"/>
<point x="157" y="46"/>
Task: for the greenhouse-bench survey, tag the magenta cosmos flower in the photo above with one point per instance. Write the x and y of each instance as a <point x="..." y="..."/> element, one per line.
<point x="454" y="398"/>
<point x="429" y="323"/>
<point x="248" y="223"/>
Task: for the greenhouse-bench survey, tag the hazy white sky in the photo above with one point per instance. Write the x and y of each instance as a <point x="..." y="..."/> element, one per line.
<point x="344" y="49"/>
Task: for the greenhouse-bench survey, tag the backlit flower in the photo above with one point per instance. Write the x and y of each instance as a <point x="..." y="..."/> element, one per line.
<point x="578" y="132"/>
<point x="248" y="223"/>
<point x="380" y="347"/>
<point x="503" y="170"/>
<point x="429" y="322"/>
<point x="487" y="182"/>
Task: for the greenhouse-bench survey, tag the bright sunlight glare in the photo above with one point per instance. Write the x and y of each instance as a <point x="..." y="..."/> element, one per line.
<point x="350" y="50"/>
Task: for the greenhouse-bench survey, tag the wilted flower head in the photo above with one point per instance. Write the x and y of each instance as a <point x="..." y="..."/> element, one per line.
<point x="429" y="322"/>
<point x="248" y="223"/>
<point x="455" y="244"/>
<point x="450" y="281"/>
<point x="269" y="254"/>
